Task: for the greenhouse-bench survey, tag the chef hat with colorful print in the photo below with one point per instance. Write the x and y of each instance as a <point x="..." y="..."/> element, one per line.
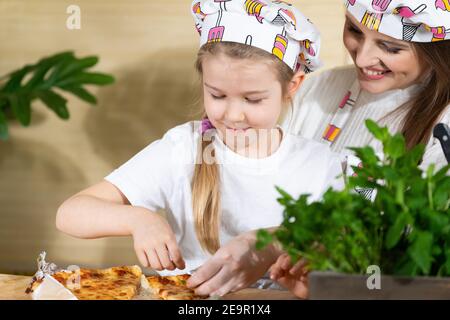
<point x="409" y="20"/>
<point x="274" y="26"/>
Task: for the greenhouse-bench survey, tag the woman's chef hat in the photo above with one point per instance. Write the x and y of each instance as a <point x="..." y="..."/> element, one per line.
<point x="409" y="20"/>
<point x="274" y="26"/>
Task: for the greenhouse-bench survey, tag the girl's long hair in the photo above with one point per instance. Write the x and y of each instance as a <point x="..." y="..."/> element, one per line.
<point x="206" y="202"/>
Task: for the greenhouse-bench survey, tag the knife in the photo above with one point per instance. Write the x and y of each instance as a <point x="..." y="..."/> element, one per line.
<point x="442" y="133"/>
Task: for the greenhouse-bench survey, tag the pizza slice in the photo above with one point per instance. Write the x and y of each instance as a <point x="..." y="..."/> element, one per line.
<point x="172" y="288"/>
<point x="117" y="283"/>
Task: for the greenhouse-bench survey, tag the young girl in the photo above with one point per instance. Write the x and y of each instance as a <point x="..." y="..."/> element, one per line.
<point x="216" y="178"/>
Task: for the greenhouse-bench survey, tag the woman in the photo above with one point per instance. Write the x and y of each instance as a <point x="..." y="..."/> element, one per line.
<point x="400" y="77"/>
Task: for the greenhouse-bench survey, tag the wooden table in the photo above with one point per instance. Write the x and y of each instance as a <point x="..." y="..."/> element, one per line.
<point x="13" y="287"/>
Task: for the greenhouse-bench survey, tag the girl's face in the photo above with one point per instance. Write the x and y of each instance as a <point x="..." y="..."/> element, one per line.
<point x="383" y="63"/>
<point x="241" y="97"/>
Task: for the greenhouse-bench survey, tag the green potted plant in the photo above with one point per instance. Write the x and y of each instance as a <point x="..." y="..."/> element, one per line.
<point x="404" y="230"/>
<point x="62" y="71"/>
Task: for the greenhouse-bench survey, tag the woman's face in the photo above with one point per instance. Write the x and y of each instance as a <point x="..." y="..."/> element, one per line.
<point x="383" y="63"/>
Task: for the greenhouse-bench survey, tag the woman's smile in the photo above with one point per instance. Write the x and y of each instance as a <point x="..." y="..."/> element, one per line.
<point x="372" y="74"/>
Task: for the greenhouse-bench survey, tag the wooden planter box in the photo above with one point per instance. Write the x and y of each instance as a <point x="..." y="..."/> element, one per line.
<point x="329" y="285"/>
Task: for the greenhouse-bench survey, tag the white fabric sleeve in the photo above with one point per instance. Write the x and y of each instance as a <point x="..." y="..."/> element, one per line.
<point x="335" y="173"/>
<point x="148" y="178"/>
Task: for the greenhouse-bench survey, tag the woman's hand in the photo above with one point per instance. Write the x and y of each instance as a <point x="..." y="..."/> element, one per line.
<point x="294" y="278"/>
<point x="233" y="267"/>
<point x="154" y="242"/>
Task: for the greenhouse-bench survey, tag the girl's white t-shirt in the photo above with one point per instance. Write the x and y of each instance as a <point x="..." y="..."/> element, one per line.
<point x="159" y="178"/>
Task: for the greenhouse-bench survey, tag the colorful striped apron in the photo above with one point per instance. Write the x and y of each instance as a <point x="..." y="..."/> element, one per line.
<point x="342" y="114"/>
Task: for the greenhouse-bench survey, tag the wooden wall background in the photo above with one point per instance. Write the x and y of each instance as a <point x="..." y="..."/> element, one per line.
<point x="149" y="46"/>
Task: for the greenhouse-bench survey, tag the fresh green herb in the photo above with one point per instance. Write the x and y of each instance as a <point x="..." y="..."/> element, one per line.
<point x="38" y="81"/>
<point x="405" y="230"/>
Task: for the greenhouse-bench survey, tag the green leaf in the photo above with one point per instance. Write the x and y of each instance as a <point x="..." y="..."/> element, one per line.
<point x="390" y="173"/>
<point x="378" y="132"/>
<point x="400" y="192"/>
<point x="55" y="102"/>
<point x="3" y="126"/>
<point x="56" y="57"/>
<point x="264" y="238"/>
<point x="446" y="265"/>
<point x="442" y="173"/>
<point x="420" y="250"/>
<point x="16" y="78"/>
<point x="441" y="196"/>
<point x="284" y="193"/>
<point x="87" y="78"/>
<point x="43" y="66"/>
<point x="395" y="147"/>
<point x="21" y="107"/>
<point x="396" y="230"/>
<point x="367" y="155"/>
<point x="58" y="68"/>
<point x="430" y="171"/>
<point x="61" y="70"/>
<point x="408" y="268"/>
<point x="81" y="93"/>
<point x="416" y="154"/>
<point x="76" y="66"/>
<point x="38" y="76"/>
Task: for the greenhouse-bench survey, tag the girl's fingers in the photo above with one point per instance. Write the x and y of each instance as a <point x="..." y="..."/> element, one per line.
<point x="299" y="268"/>
<point x="230" y="286"/>
<point x="275" y="273"/>
<point x="220" y="284"/>
<point x="175" y="255"/>
<point x="206" y="272"/>
<point x="163" y="256"/>
<point x="154" y="260"/>
<point x="286" y="282"/>
<point x="276" y="270"/>
<point x="286" y="262"/>
<point x="278" y="273"/>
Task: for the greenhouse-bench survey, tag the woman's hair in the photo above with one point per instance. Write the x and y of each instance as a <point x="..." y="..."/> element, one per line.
<point x="206" y="180"/>
<point x="425" y="108"/>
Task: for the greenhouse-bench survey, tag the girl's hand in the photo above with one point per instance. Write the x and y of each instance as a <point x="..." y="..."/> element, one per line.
<point x="234" y="266"/>
<point x="155" y="243"/>
<point x="293" y="278"/>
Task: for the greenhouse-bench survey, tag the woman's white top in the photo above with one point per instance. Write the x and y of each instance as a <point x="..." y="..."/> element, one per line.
<point x="319" y="97"/>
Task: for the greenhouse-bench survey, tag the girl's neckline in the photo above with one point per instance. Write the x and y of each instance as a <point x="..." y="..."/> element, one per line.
<point x="226" y="155"/>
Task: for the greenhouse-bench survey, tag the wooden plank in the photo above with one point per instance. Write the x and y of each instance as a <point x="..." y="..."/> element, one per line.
<point x="327" y="285"/>
<point x="13" y="287"/>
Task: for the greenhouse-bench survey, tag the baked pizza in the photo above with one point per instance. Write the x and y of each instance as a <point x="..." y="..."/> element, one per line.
<point x="117" y="283"/>
<point x="172" y="288"/>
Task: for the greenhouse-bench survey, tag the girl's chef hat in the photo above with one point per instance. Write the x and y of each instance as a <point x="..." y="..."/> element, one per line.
<point x="409" y="20"/>
<point x="274" y="26"/>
